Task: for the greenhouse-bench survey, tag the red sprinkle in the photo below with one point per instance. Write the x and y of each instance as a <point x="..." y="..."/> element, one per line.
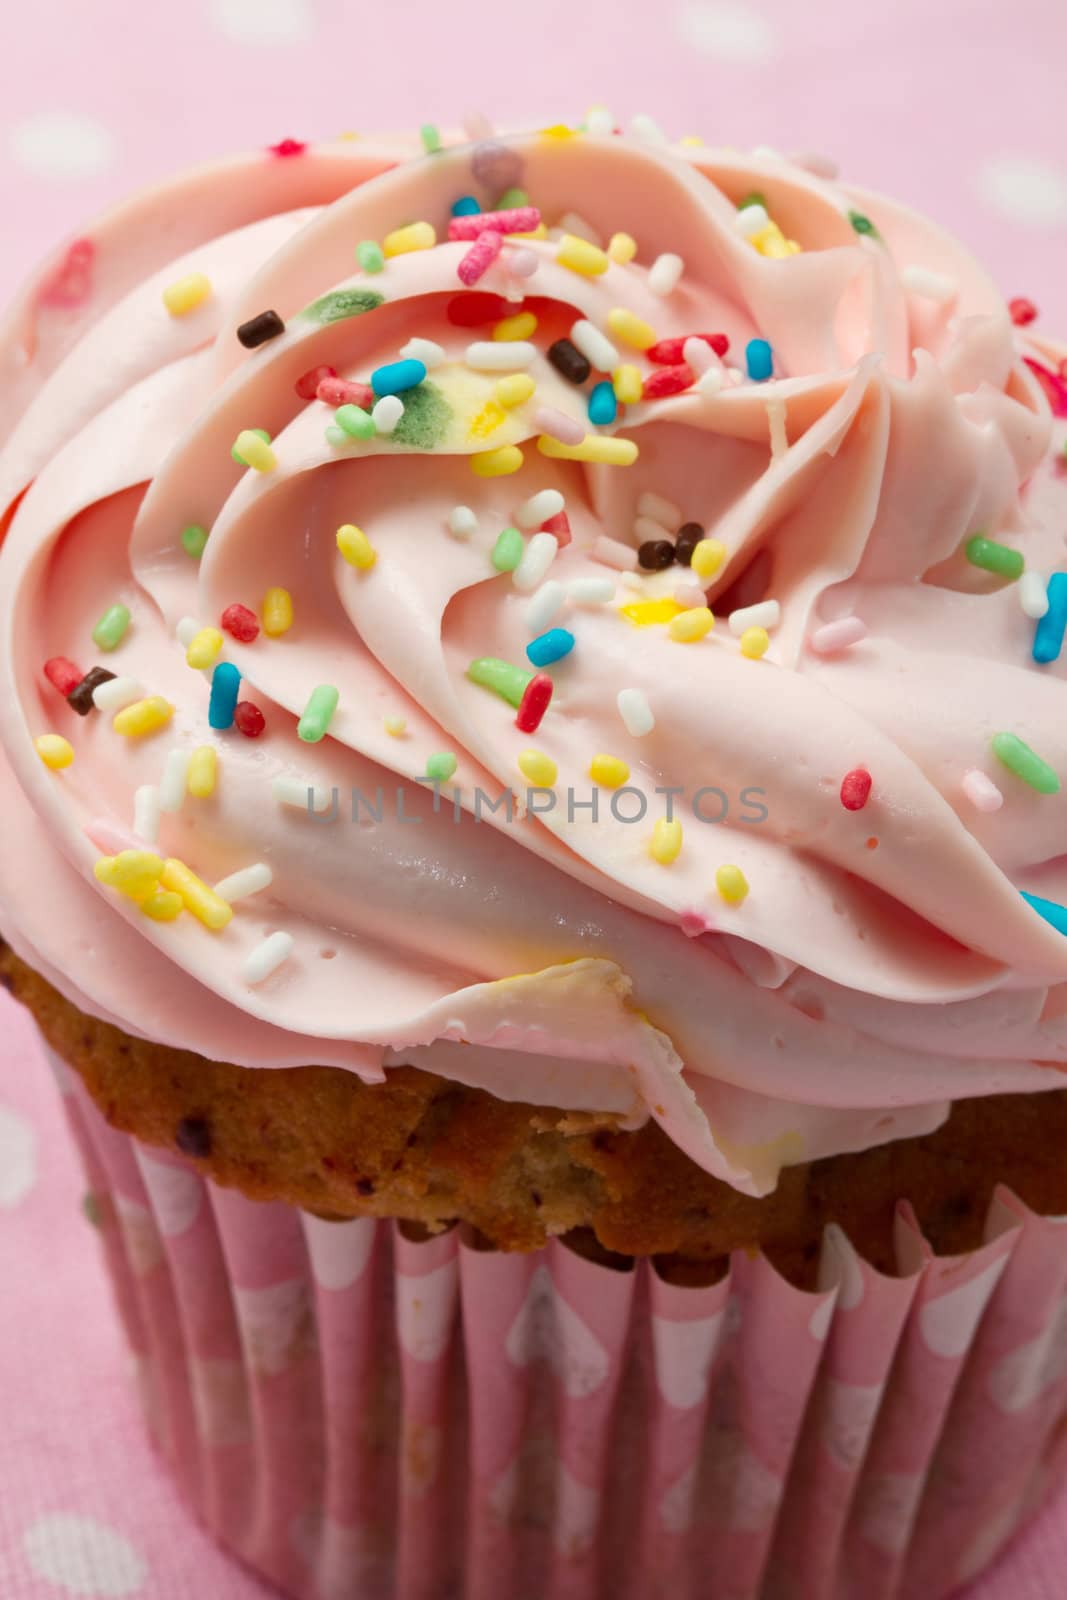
<point x="471" y="310"/>
<point x="287" y="147"/>
<point x="668" y="380"/>
<point x="560" y="526"/>
<point x="71" y="282"/>
<point x="307" y="384"/>
<point x="1054" y="386"/>
<point x="242" y="623"/>
<point x="856" y="789"/>
<point x="1022" y="310"/>
<point x="668" y="352"/>
<point x="63" y="674"/>
<point x="519" y="219"/>
<point x="534" y="703"/>
<point x="340" y="392"/>
<point x="249" y="719"/>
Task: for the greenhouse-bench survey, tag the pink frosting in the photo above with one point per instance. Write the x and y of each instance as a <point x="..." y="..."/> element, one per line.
<point x="884" y="961"/>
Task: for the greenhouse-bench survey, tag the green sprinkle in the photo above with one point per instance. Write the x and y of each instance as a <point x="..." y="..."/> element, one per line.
<point x="511" y="199"/>
<point x="342" y="303"/>
<point x="440" y="766"/>
<point x="993" y="557"/>
<point x="505" y="680"/>
<point x="756" y="198"/>
<point x="863" y="224"/>
<point x="240" y="460"/>
<point x="431" y="138"/>
<point x="1025" y="763"/>
<point x="111" y="629"/>
<point x="426" y="417"/>
<point x="322" y="703"/>
<point x="507" y="552"/>
<point x="194" y="538"/>
<point x="355" y="422"/>
<point x="369" y="255"/>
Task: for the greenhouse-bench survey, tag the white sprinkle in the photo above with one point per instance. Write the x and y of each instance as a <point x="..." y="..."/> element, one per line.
<point x="520" y="261"/>
<point x="931" y="285"/>
<point x="665" y="274"/>
<point x="172" y="783"/>
<point x="764" y="614"/>
<point x="540" y="506"/>
<point x="981" y="791"/>
<point x="294" y="792"/>
<point x="267" y="957"/>
<point x="595" y="346"/>
<point x="614" y="554"/>
<point x="387" y="413"/>
<point x="248" y="880"/>
<point x="767" y="152"/>
<point x="571" y="222"/>
<point x="425" y="350"/>
<point x="665" y="512"/>
<point x="461" y="522"/>
<point x="699" y="356"/>
<point x="544" y="605"/>
<point x="116" y="693"/>
<point x="538" y="556"/>
<point x="751" y="220"/>
<point x="500" y="355"/>
<point x="776" y="424"/>
<point x="633" y="580"/>
<point x="711" y="382"/>
<point x="590" y="591"/>
<point x="146" y="813"/>
<point x="186" y="631"/>
<point x="599" y="122"/>
<point x="1033" y="595"/>
<point x="647" y="528"/>
<point x="689" y="594"/>
<point x="647" y="128"/>
<point x="635" y="712"/>
<point x="834" y="636"/>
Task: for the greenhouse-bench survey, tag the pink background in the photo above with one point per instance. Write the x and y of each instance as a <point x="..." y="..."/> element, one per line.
<point x="954" y="107"/>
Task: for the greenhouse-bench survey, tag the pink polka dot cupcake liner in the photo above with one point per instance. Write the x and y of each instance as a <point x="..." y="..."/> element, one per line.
<point x="357" y="1416"/>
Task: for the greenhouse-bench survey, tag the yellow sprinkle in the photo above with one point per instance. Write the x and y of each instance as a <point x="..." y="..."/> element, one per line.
<point x="691" y="138"/>
<point x="487" y="420"/>
<point x="688" y="626"/>
<point x="132" y="872"/>
<point x="254" y="451"/>
<point x="277" y="612"/>
<point x="609" y="771"/>
<point x="416" y="236"/>
<point x="497" y="463"/>
<point x="395" y="727"/>
<point x="754" y="642"/>
<point x="603" y="447"/>
<point x="631" y="329"/>
<point x="203" y="648"/>
<point x="622" y="247"/>
<point x="54" y="750"/>
<point x="356" y="547"/>
<point x="540" y="232"/>
<point x="772" y="243"/>
<point x="708" y="557"/>
<point x="540" y="769"/>
<point x="731" y="884"/>
<point x="197" y="896"/>
<point x="559" y="130"/>
<point x="666" y="841"/>
<point x="646" y="613"/>
<point x="627" y="383"/>
<point x="581" y="256"/>
<point x="520" y="326"/>
<point x="162" y="905"/>
<point x="203" y="766"/>
<point x="514" y="390"/>
<point x="186" y="294"/>
<point x="144" y="716"/>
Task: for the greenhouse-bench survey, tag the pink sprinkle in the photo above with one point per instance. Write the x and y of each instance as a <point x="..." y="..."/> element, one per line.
<point x="558" y="425"/>
<point x="981" y="791"/>
<point x="834" y="636"/>
<point x="519" y="219"/>
<point x="520" y="262"/>
<point x="477" y="126"/>
<point x="613" y="554"/>
<point x="340" y="392"/>
<point x="71" y="282"/>
<point x="480" y="257"/>
<point x="693" y="924"/>
<point x="287" y="147"/>
<point x="111" y="837"/>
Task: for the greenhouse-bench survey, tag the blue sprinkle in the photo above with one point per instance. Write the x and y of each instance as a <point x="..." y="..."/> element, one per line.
<point x="1048" y="633"/>
<point x="397" y="377"/>
<point x="225" y="682"/>
<point x="1054" y="914"/>
<point x="603" y="406"/>
<point x="759" y="358"/>
<point x="550" y="646"/>
<point x="465" y="206"/>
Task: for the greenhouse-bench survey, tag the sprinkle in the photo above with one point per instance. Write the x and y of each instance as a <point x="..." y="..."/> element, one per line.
<point x="395" y="727"/>
<point x="628" y="327"/>
<point x="569" y="361"/>
<point x="647" y="129"/>
<point x="609" y="771"/>
<point x="520" y="326"/>
<point x="534" y="512"/>
<point x="699" y="357"/>
<point x="511" y="198"/>
<point x="613" y="553"/>
<point x="514" y="390"/>
<point x="441" y="766"/>
<point x="1033" y="595"/>
<point x="603" y="405"/>
<point x="930" y="285"/>
<point x="581" y="256"/>
<point x="370" y="256"/>
<point x="731" y="884"/>
<point x="627" y="383"/>
<point x="688" y="593"/>
<point x="267" y="957"/>
<point x="668" y="352"/>
<point x="387" y="413"/>
<point x="635" y="712"/>
<point x="981" y="791"/>
<point x="252" y="449"/>
<point x="751" y="220"/>
<point x="507" y="550"/>
<point x="162" y="905"/>
<point x="1048" y="635"/>
<point x="650" y="613"/>
<point x="54" y="750"/>
<point x="111" y="629"/>
<point x="340" y="304"/>
<point x="427" y="351"/>
<point x="544" y="605"/>
<point x="416" y="236"/>
<point x="193" y="538"/>
<point x="1026" y="764"/>
<point x="186" y="631"/>
<point x="204" y="648"/>
<point x="259" y="329"/>
<point x="655" y="555"/>
<point x="143" y="717"/>
<point x="339" y="392"/>
<point x="116" y="693"/>
<point x="549" y="647"/>
<point x="248" y="719"/>
<point x="622" y="247"/>
<point x="135" y="873"/>
<point x="146" y="811"/>
<point x="994" y="557"/>
<point x="605" y="448"/>
<point x="461" y="522"/>
<point x="489" y="355"/>
<point x="203" y="770"/>
<point x="711" y="382"/>
<point x="431" y="139"/>
<point x="80" y="698"/>
<point x="465" y="206"/>
<point x="759" y="360"/>
<point x="356" y="547"/>
<point x="508" y="681"/>
<point x="497" y="463"/>
<point x="838" y="635"/>
<point x="539" y="769"/>
<point x="247" y="880"/>
<point x="63" y="674"/>
<point x="185" y="294"/>
<point x="856" y="789"/>
<point x="599" y="121"/>
<point x="707" y="557"/>
<point x="239" y="621"/>
<point x="590" y="591"/>
<point x="755" y="643"/>
<point x="197" y="896"/>
<point x="764" y="614"/>
<point x="1055" y="915"/>
<point x="665" y="274"/>
<point x="538" y="556"/>
<point x="666" y="843"/>
<point x="1022" y="310"/>
<point x="472" y="310"/>
<point x="559" y="527"/>
<point x="558" y="425"/>
<point x="594" y="345"/>
<point x="172" y="784"/>
<point x="287" y="147"/>
<point x="689" y="626"/>
<point x="225" y="682"/>
<point x="318" y="713"/>
<point x="534" y="703"/>
<point x="667" y="381"/>
<point x="476" y="261"/>
<point x="277" y="612"/>
<point x="487" y="420"/>
<point x="519" y="219"/>
<point x="862" y="224"/>
<point x="397" y="376"/>
<point x="521" y="263"/>
<point x="294" y="792"/>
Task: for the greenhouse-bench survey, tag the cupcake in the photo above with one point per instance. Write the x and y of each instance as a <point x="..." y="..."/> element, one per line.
<point x="534" y="841"/>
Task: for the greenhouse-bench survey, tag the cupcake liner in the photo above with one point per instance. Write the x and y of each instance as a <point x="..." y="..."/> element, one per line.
<point x="357" y="1415"/>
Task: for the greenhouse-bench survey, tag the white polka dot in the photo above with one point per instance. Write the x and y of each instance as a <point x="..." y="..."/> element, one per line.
<point x="61" y="144"/>
<point x="83" y="1557"/>
<point x="18" y="1159"/>
<point x="1029" y="191"/>
<point x="266" y="22"/>
<point x="727" y="30"/>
